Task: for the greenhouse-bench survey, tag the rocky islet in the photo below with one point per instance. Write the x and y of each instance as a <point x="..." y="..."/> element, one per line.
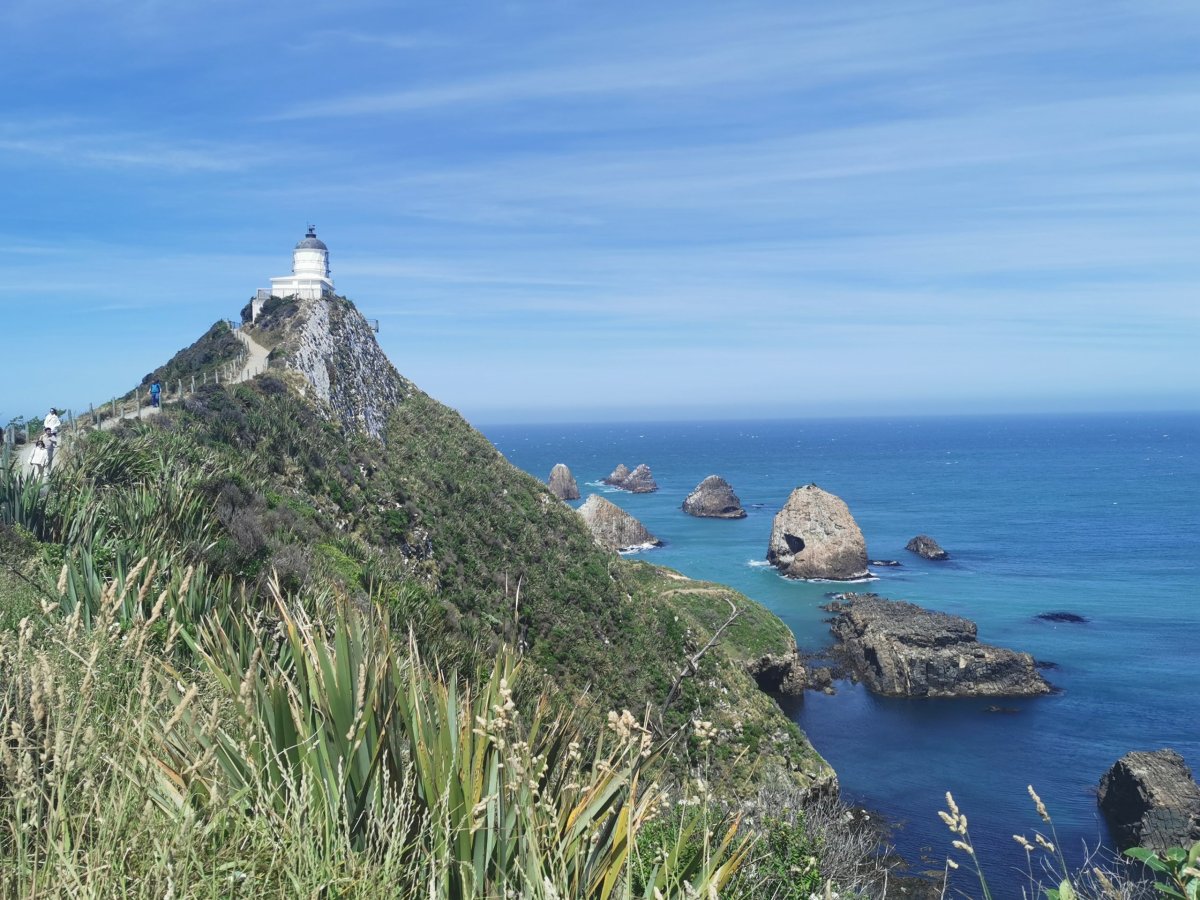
<point x="713" y="498"/>
<point x="899" y="649"/>
<point x="927" y="548"/>
<point x="562" y="483"/>
<point x="638" y="481"/>
<point x="613" y="528"/>
<point x="1150" y="799"/>
<point x="814" y="536"/>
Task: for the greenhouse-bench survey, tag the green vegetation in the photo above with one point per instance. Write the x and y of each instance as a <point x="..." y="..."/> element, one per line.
<point x="217" y="347"/>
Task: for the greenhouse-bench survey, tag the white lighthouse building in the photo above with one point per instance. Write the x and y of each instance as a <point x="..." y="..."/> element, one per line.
<point x="310" y="278"/>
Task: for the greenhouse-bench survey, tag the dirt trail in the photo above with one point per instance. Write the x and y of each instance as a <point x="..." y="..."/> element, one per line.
<point x="256" y="362"/>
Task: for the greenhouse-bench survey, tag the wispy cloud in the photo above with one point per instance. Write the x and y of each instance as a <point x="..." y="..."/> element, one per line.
<point x="90" y="144"/>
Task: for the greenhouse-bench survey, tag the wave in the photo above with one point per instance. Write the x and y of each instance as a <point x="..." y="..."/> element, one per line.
<point x="757" y="563"/>
<point x="640" y="548"/>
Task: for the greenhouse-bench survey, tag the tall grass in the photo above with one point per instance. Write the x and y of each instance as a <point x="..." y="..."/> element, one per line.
<point x="309" y="757"/>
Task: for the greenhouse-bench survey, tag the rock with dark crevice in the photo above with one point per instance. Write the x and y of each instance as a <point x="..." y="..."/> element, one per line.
<point x="925" y="546"/>
<point x="814" y="536"/>
<point x="1151" y="800"/>
<point x="899" y="649"/>
<point x="562" y="483"/>
<point x="713" y="498"/>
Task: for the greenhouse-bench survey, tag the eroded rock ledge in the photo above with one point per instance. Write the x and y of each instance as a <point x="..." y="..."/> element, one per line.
<point x="899" y="649"/>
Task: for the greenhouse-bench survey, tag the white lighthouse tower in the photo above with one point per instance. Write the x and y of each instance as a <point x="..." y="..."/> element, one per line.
<point x="310" y="278"/>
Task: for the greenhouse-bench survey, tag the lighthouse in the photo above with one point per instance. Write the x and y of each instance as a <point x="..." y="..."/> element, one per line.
<point x="310" y="278"/>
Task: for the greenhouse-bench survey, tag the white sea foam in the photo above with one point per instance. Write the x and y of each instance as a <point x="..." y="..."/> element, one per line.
<point x="758" y="563"/>
<point x="640" y="548"/>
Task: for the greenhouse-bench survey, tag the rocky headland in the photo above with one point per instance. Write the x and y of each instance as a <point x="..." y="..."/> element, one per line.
<point x="1151" y="800"/>
<point x="713" y="498"/>
<point x="899" y="649"/>
<point x="814" y="536"/>
<point x="562" y="483"/>
<point x="925" y="546"/>
<point x="639" y="481"/>
<point x="613" y="528"/>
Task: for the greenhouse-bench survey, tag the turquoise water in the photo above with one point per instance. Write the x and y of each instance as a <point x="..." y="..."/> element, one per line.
<point x="1096" y="515"/>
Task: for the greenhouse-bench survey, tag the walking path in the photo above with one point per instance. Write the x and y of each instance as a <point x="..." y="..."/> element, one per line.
<point x="256" y="363"/>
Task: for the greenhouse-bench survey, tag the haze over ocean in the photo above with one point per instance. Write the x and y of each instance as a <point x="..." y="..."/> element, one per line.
<point x="1093" y="514"/>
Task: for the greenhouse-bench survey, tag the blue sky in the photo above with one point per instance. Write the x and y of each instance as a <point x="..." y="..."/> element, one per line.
<point x="620" y="210"/>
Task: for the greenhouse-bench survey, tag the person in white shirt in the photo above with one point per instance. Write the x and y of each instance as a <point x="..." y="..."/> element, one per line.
<point x="53" y="421"/>
<point x="40" y="459"/>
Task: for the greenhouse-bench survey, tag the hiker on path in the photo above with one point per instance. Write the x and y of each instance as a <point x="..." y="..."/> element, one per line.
<point x="49" y="440"/>
<point x="155" y="391"/>
<point x="40" y="459"/>
<point x="53" y="422"/>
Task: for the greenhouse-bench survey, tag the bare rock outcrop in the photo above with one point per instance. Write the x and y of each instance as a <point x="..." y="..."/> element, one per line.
<point x="924" y="545"/>
<point x="814" y="536"/>
<point x="328" y="341"/>
<point x="639" y="481"/>
<point x="713" y="498"/>
<point x="1151" y="800"/>
<point x="899" y="649"/>
<point x="613" y="528"/>
<point x="782" y="673"/>
<point x="562" y="483"/>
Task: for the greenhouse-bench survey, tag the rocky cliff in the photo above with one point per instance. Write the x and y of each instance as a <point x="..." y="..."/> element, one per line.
<point x="713" y="498"/>
<point x="562" y="483"/>
<point x="613" y="528"/>
<point x="814" y="536"/>
<point x="1151" y="800"/>
<point x="330" y="343"/>
<point x="901" y="650"/>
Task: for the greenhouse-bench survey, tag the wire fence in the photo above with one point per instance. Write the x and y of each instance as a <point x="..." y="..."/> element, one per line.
<point x="19" y="436"/>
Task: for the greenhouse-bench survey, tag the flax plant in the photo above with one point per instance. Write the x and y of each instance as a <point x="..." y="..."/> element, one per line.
<point x="337" y="717"/>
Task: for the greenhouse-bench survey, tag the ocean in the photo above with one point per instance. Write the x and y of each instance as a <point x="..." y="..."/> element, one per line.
<point x="1097" y="515"/>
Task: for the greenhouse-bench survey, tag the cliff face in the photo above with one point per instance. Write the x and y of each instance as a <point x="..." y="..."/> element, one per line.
<point x="330" y="343"/>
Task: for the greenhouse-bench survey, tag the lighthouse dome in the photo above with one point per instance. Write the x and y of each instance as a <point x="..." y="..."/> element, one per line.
<point x="311" y="241"/>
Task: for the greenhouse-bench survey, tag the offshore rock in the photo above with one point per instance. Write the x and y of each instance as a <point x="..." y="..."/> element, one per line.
<point x="639" y="481"/>
<point x="713" y="498"/>
<point x="1151" y="800"/>
<point x="899" y="649"/>
<point x="924" y="545"/>
<point x="562" y="483"/>
<point x="613" y="528"/>
<point x="814" y="536"/>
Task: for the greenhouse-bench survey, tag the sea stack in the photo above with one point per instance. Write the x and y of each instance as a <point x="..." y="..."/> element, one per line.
<point x="899" y="649"/>
<point x="562" y="483"/>
<point x="713" y="498"/>
<point x="924" y="545"/>
<point x="613" y="528"/>
<point x="1151" y="800"/>
<point x="639" y="481"/>
<point x="814" y="536"/>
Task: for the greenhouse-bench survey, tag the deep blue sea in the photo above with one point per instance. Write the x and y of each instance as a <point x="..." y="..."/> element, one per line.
<point x="1095" y="515"/>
